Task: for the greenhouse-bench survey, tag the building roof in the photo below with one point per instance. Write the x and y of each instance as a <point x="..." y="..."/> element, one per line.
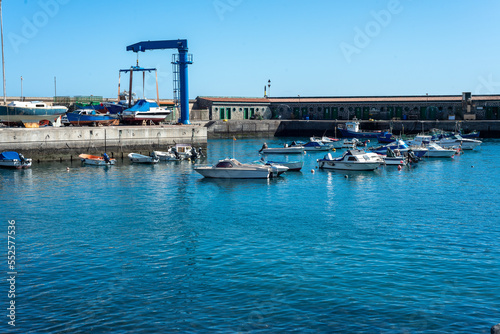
<point x="352" y="99"/>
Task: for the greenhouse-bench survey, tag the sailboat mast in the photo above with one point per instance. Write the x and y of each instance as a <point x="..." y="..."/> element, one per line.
<point x="3" y="59"/>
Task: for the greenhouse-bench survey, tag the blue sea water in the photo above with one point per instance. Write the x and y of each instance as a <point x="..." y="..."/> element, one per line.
<point x="151" y="249"/>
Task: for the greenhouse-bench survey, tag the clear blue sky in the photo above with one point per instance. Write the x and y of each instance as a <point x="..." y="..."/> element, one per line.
<point x="306" y="48"/>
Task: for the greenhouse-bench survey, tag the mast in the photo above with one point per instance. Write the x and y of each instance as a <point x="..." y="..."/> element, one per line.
<point x="3" y="59"/>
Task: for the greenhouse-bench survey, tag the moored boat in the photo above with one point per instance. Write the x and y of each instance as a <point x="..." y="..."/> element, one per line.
<point x="292" y="165"/>
<point x="352" y="160"/>
<point x="282" y="150"/>
<point x="456" y="141"/>
<point x="144" y="159"/>
<point x="11" y="159"/>
<point x="95" y="160"/>
<point x="233" y="169"/>
<point x="436" y="151"/>
<point x="351" y="130"/>
<point x="180" y="152"/>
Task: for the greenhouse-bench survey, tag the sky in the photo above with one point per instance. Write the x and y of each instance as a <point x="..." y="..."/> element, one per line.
<point x="306" y="48"/>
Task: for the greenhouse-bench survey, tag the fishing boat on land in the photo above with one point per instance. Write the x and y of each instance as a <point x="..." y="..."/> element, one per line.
<point x="233" y="169"/>
<point x="144" y="159"/>
<point x="351" y="130"/>
<point x="352" y="160"/>
<point x="29" y="112"/>
<point x="11" y="159"/>
<point x="91" y="117"/>
<point x="145" y="111"/>
<point x="96" y="160"/>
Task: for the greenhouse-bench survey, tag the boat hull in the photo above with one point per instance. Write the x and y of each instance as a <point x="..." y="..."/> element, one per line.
<point x="21" y="114"/>
<point x="143" y="159"/>
<point x="283" y="150"/>
<point x="77" y="119"/>
<point x="340" y="165"/>
<point x="210" y="172"/>
<point x="95" y="160"/>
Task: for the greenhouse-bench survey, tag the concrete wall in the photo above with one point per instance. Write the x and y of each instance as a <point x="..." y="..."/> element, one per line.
<point x="242" y="128"/>
<point x="65" y="143"/>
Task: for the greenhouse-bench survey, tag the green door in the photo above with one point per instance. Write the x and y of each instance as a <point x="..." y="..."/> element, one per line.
<point x="228" y="113"/>
<point x="423" y="113"/>
<point x="222" y="114"/>
<point x="391" y="112"/>
<point x="245" y="113"/>
<point x="304" y="112"/>
<point x="296" y="113"/>
<point x="366" y="112"/>
<point x="326" y="113"/>
<point x="252" y="112"/>
<point x="358" y="112"/>
<point x="399" y="112"/>
<point x="335" y="113"/>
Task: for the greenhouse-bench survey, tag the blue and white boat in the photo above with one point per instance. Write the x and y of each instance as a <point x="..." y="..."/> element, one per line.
<point x="352" y="160"/>
<point x="311" y="146"/>
<point x="398" y="146"/>
<point x="351" y="130"/>
<point x="146" y="111"/>
<point x="11" y="159"/>
<point x="91" y="117"/>
<point x="29" y="112"/>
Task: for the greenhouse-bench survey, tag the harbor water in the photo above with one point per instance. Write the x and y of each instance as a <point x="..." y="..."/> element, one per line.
<point x="159" y="249"/>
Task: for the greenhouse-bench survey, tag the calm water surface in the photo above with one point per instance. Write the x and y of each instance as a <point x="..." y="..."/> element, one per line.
<point x="143" y="249"/>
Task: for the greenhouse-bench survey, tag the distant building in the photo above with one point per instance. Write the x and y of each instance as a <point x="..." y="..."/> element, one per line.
<point x="422" y="107"/>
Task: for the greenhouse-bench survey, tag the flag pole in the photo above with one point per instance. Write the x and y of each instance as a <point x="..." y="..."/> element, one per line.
<point x="3" y="59"/>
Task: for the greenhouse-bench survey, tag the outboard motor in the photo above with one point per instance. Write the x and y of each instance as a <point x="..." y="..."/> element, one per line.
<point x="21" y="157"/>
<point x="105" y="157"/>
<point x="176" y="154"/>
<point x="200" y="152"/>
<point x="412" y="156"/>
<point x="194" y="154"/>
<point x="153" y="155"/>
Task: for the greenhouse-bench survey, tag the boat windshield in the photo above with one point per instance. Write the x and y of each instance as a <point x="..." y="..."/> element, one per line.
<point x="224" y="164"/>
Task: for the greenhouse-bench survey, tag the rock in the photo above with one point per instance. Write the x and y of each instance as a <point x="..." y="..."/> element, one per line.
<point x="495" y="329"/>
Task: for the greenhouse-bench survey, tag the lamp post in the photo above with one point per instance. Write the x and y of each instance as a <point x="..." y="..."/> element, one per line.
<point x="22" y="88"/>
<point x="299" y="107"/>
<point x="269" y="87"/>
<point x="3" y="60"/>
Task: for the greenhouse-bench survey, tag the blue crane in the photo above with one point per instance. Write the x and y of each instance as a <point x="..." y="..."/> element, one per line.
<point x="182" y="61"/>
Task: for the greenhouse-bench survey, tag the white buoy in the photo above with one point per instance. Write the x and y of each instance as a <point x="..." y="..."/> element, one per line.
<point x="67" y="169"/>
<point x="312" y="171"/>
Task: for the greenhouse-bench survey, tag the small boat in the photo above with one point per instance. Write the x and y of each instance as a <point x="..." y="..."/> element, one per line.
<point x="351" y="130"/>
<point x="95" y="160"/>
<point x="352" y="160"/>
<point x="399" y="146"/>
<point x="233" y="169"/>
<point x="145" y="111"/>
<point x="180" y="152"/>
<point x="311" y="146"/>
<point x="392" y="158"/>
<point x="11" y="159"/>
<point x="332" y="142"/>
<point x="144" y="159"/>
<point x="436" y="151"/>
<point x="292" y="165"/>
<point x="34" y="111"/>
<point x="456" y="141"/>
<point x="91" y="117"/>
<point x="354" y="142"/>
<point x="282" y="150"/>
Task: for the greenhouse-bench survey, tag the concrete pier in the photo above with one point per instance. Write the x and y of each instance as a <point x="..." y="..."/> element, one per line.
<point x="66" y="143"/>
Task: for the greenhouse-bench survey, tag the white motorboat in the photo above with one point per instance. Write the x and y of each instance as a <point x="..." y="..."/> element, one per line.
<point x="233" y="169"/>
<point x="282" y="150"/>
<point x="436" y="151"/>
<point x="179" y="152"/>
<point x="292" y="165"/>
<point x="457" y="141"/>
<point x="11" y="159"/>
<point x="332" y="142"/>
<point x="95" y="160"/>
<point x="144" y="159"/>
<point x="352" y="160"/>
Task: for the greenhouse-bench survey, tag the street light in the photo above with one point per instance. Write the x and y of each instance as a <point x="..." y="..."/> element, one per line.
<point x="269" y="87"/>
<point x="22" y="88"/>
